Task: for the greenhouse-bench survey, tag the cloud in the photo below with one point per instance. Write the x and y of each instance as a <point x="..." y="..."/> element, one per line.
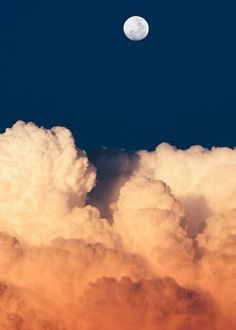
<point x="218" y="263"/>
<point x="44" y="184"/>
<point x="149" y="218"/>
<point x="202" y="180"/>
<point x="147" y="305"/>
<point x="143" y="241"/>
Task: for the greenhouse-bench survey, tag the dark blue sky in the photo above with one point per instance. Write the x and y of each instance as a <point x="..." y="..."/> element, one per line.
<point x="67" y="62"/>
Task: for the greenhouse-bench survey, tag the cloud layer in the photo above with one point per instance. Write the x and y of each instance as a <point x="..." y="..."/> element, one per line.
<point x="133" y="241"/>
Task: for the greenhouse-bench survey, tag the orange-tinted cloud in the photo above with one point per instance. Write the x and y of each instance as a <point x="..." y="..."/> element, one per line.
<point x="163" y="258"/>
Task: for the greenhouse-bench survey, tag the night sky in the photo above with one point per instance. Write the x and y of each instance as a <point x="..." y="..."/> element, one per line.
<point x="68" y="63"/>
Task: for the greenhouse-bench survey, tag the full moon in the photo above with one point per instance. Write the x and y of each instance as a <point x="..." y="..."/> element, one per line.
<point x="136" y="28"/>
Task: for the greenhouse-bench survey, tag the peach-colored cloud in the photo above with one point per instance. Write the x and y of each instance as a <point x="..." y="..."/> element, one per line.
<point x="161" y="256"/>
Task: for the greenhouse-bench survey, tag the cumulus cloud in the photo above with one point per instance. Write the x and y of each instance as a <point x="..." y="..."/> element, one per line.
<point x="201" y="179"/>
<point x="44" y="181"/>
<point x="149" y="218"/>
<point x="142" y="240"/>
<point x="148" y="305"/>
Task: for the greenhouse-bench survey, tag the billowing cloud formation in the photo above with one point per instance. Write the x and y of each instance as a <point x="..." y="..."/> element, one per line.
<point x="148" y="242"/>
<point x="203" y="180"/>
<point x="44" y="181"/>
<point x="148" y="218"/>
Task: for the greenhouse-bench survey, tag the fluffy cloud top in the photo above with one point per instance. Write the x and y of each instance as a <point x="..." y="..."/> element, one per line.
<point x="161" y="256"/>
